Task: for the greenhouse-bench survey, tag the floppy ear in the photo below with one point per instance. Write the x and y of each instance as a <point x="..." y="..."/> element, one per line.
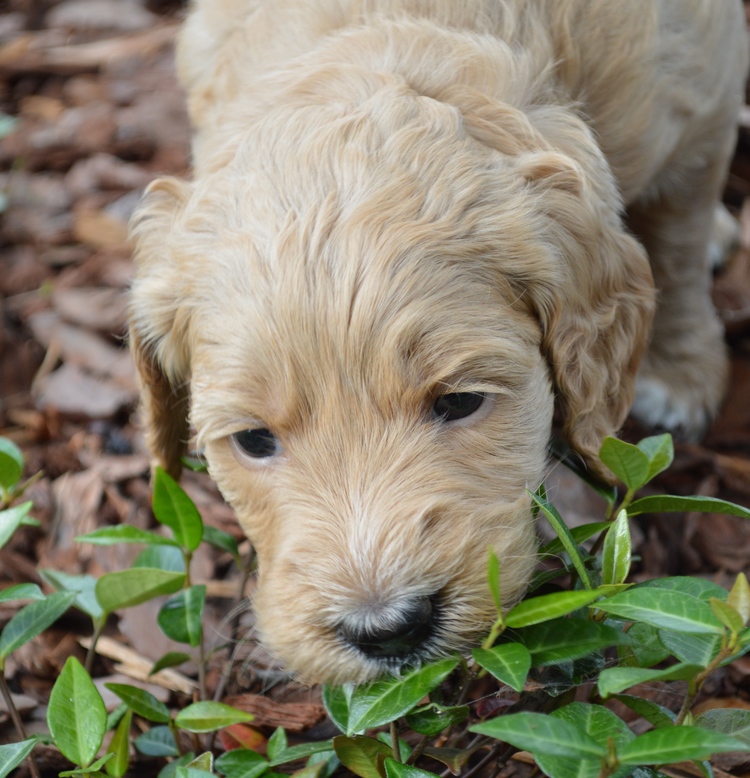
<point x="597" y="322"/>
<point x="158" y="337"/>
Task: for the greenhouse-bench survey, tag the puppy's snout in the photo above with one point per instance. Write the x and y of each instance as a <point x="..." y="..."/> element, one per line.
<point x="390" y="631"/>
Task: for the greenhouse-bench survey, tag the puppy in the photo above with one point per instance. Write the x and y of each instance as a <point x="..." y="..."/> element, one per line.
<point x="405" y="243"/>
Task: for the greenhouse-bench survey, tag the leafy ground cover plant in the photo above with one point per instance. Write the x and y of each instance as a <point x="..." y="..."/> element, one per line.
<point x="563" y="653"/>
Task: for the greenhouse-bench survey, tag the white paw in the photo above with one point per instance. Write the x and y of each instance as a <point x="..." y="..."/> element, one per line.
<point x="659" y="407"/>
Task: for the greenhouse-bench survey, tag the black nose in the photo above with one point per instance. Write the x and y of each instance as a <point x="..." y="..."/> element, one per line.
<point x="394" y="631"/>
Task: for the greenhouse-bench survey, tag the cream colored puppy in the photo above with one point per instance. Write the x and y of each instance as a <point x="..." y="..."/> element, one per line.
<point x="403" y="245"/>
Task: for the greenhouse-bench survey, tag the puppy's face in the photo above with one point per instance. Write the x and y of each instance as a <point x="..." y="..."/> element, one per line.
<point x="365" y="315"/>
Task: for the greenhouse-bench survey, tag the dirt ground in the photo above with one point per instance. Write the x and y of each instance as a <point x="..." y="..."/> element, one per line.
<point x="90" y="113"/>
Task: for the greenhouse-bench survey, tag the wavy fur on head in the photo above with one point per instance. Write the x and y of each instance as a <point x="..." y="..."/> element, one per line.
<point x="395" y="200"/>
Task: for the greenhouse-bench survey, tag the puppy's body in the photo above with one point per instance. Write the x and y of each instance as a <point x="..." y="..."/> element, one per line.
<point x="396" y="202"/>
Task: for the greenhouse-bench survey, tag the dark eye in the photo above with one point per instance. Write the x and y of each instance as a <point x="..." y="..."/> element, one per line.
<point x="258" y="443"/>
<point x="457" y="405"/>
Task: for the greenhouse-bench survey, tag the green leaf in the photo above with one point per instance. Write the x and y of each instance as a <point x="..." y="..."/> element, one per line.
<point x="76" y="715"/>
<point x="727" y="615"/>
<point x="157" y="741"/>
<point x="359" y="754"/>
<point x="119" y="746"/>
<point x="385" y="700"/>
<point x="173" y="508"/>
<point x="94" y="768"/>
<point x="664" y="608"/>
<point x="114" y="717"/>
<point x="655" y="714"/>
<point x="404" y="747"/>
<point x="563" y="533"/>
<point x="241" y="763"/>
<point x="616" y="551"/>
<point x="598" y="722"/>
<point x="542" y="734"/>
<point x="626" y="461"/>
<point x="204" y="761"/>
<point x="394" y="769"/>
<point x="132" y="587"/>
<point x="677" y="744"/>
<point x="727" y="721"/>
<point x="669" y="503"/>
<point x="11" y="464"/>
<point x="432" y="719"/>
<point x="509" y="663"/>
<point x="180" y="617"/>
<point x="739" y="597"/>
<point x="565" y="639"/>
<point x="208" y="716"/>
<point x="301" y="751"/>
<point x="221" y="540"/>
<point x="455" y="759"/>
<point x="12" y="754"/>
<point x="336" y="702"/>
<point x="171" y="659"/>
<point x="277" y="743"/>
<point x="195" y="464"/>
<point x="549" y="606"/>
<point x="11" y="519"/>
<point x="124" y="533"/>
<point x="31" y="620"/>
<point x="645" y="648"/>
<point x="171" y="558"/>
<point x="660" y="453"/>
<point x="691" y="649"/>
<point x="699" y="588"/>
<point x="493" y="578"/>
<point x="24" y="591"/>
<point x="616" y="679"/>
<point x="579" y="534"/>
<point x="170" y="770"/>
<point x="192" y="772"/>
<point x="141" y="702"/>
<point x="83" y="585"/>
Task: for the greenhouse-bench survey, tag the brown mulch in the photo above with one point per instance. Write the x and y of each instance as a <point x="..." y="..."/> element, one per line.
<point x="90" y="113"/>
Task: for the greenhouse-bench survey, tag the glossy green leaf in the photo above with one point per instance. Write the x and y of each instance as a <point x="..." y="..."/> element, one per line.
<point x="302" y="751"/>
<point x="655" y="714"/>
<point x="359" y="754"/>
<point x="171" y="659"/>
<point x="208" y="716"/>
<point x="739" y="597"/>
<point x="12" y="754"/>
<point x="173" y="508"/>
<point x="579" y="534"/>
<point x="700" y="588"/>
<point x="691" y="649"/>
<point x="645" y="648"/>
<point x="170" y="769"/>
<point x="83" y="585"/>
<point x="432" y="719"/>
<point x="727" y="615"/>
<point x="597" y="722"/>
<point x="170" y="558"/>
<point x="141" y="702"/>
<point x="277" y="743"/>
<point x="616" y="551"/>
<point x="566" y="639"/>
<point x="549" y="606"/>
<point x="33" y="619"/>
<point x="394" y="769"/>
<point x="180" y="618"/>
<point x="677" y="744"/>
<point x="241" y="763"/>
<point x="204" y="761"/>
<point x="124" y="533"/>
<point x="221" y="540"/>
<point x="119" y="747"/>
<point x="616" y="679"/>
<point x="669" y="503"/>
<point x="542" y="734"/>
<point x="626" y="461"/>
<point x="660" y="452"/>
<point x="493" y="578"/>
<point x="664" y="608"/>
<point x="157" y="741"/>
<point x="192" y="772"/>
<point x="11" y="464"/>
<point x="565" y="537"/>
<point x="94" y="769"/>
<point x="336" y="702"/>
<point x="385" y="700"/>
<point x="11" y="519"/>
<point x="114" y="717"/>
<point x="509" y="663"/>
<point x="126" y="588"/>
<point x="24" y="591"/>
<point x="728" y="721"/>
<point x="76" y="715"/>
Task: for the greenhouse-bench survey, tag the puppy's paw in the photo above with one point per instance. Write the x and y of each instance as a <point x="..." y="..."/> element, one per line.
<point x="725" y="236"/>
<point x="681" y="399"/>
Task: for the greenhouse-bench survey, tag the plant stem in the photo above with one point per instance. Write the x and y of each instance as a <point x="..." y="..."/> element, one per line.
<point x="395" y="745"/>
<point x="16" y="719"/>
<point x="202" y="667"/>
<point x="98" y="629"/>
<point x="176" y="735"/>
<point x="696" y="684"/>
<point x="418" y="749"/>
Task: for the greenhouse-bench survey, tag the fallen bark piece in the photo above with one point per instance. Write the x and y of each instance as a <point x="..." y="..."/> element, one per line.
<point x="294" y="716"/>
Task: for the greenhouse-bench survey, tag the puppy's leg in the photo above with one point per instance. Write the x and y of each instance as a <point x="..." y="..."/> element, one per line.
<point x="682" y="379"/>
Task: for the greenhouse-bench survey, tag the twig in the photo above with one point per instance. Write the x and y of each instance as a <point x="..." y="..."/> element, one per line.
<point x="395" y="745"/>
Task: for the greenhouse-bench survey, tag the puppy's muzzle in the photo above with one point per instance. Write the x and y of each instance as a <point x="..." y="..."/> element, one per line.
<point x="394" y="631"/>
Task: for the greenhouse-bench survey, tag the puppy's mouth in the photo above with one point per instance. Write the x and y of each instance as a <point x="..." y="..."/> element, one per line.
<point x="396" y="635"/>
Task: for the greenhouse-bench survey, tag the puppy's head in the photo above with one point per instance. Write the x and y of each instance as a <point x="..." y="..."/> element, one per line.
<point x="374" y="308"/>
